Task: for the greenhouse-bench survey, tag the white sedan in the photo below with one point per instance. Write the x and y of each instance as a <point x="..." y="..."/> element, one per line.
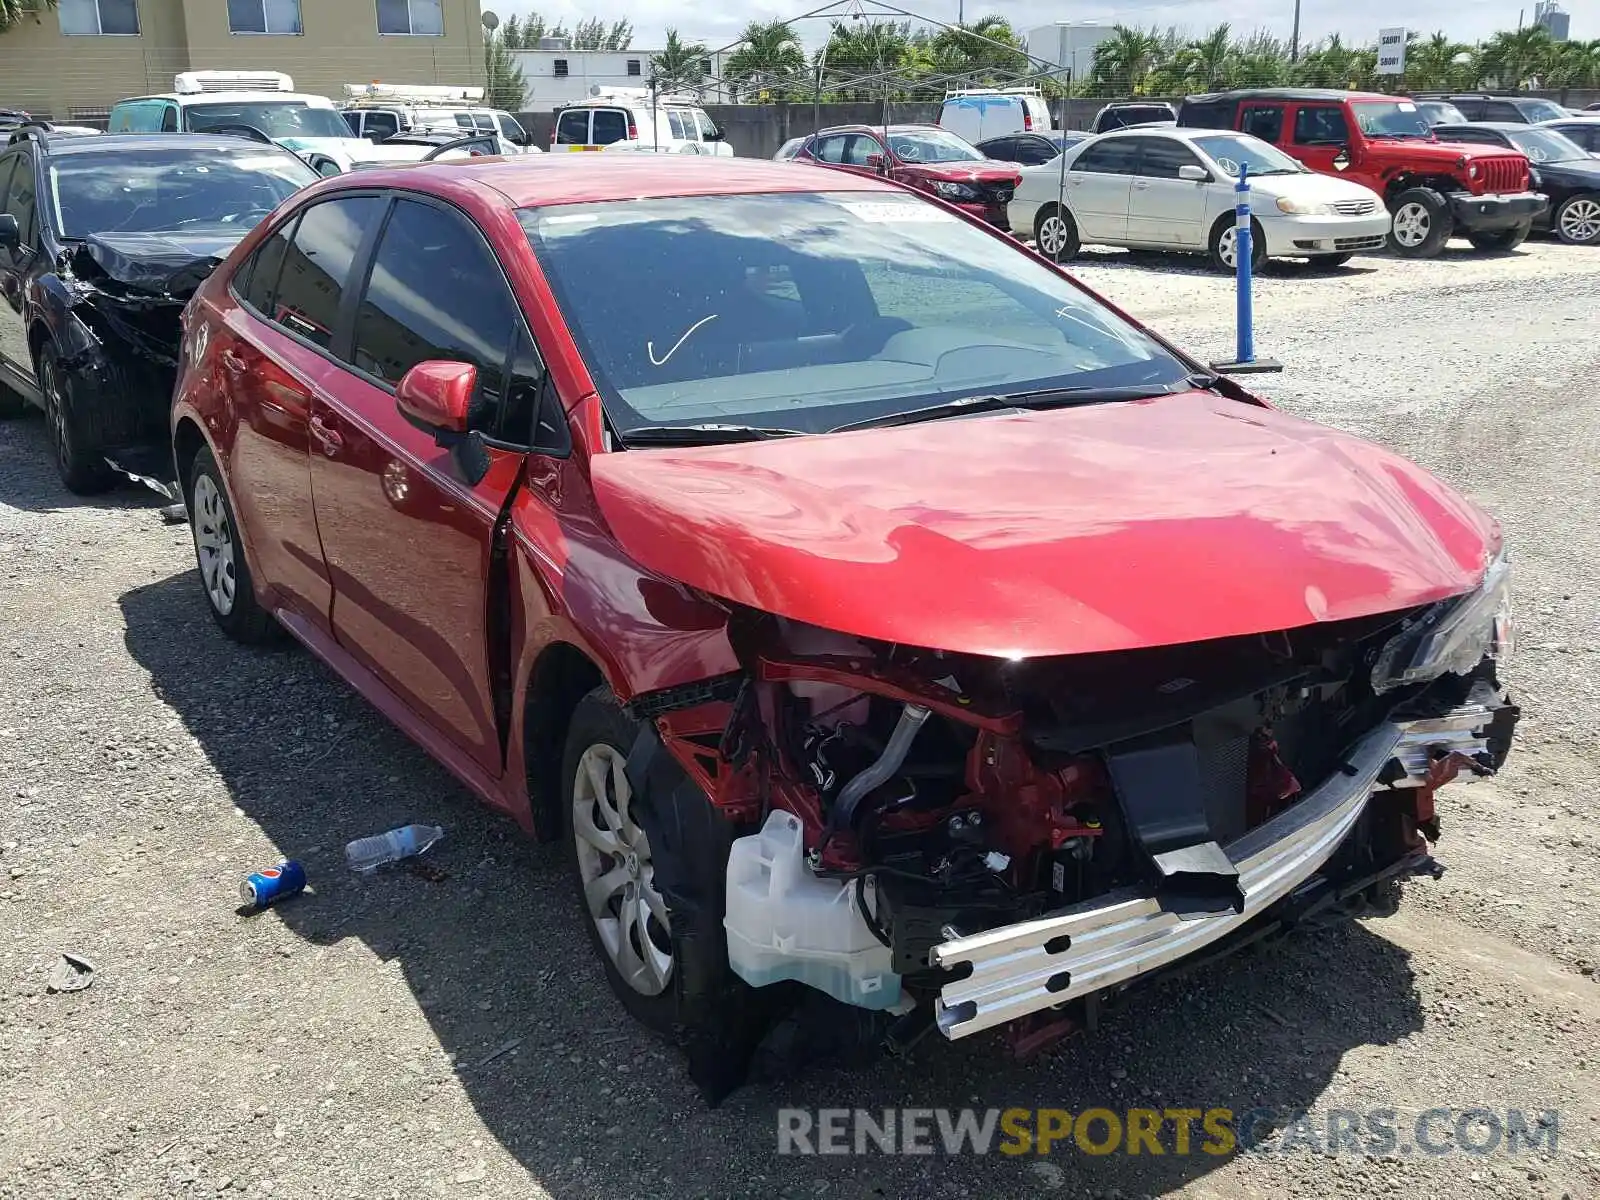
<point x="1173" y="189"/>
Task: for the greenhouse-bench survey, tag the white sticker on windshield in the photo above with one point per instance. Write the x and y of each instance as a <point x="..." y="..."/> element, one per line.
<point x="889" y="213"/>
<point x="1404" y="107"/>
<point x="570" y="219"/>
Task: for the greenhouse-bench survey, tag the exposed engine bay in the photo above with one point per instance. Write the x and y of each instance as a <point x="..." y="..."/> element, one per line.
<point x="969" y="842"/>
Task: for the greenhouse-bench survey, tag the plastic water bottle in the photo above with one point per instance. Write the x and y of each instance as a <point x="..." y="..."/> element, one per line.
<point x="370" y="853"/>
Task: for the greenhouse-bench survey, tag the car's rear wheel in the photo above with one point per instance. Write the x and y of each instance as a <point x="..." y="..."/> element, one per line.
<point x="219" y="553"/>
<point x="73" y="437"/>
<point x="1577" y="221"/>
<point x="1055" y="233"/>
<point x="1422" y="223"/>
<point x="1224" y="245"/>
<point x="1501" y="240"/>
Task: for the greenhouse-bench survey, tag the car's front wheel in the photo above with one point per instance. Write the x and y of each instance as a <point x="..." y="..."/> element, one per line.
<point x="74" y="439"/>
<point x="1055" y="233"/>
<point x="1501" y="240"/>
<point x="1422" y="223"/>
<point x="219" y="553"/>
<point x="1224" y="244"/>
<point x="1577" y="221"/>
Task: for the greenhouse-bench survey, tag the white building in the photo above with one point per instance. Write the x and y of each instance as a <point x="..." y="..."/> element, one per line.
<point x="555" y="75"/>
<point x="1069" y="46"/>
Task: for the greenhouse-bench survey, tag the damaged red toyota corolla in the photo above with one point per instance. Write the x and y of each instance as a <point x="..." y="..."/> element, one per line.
<point x="870" y="608"/>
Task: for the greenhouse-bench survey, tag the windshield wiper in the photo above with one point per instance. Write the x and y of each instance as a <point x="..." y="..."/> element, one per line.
<point x="705" y="434"/>
<point x="1039" y="399"/>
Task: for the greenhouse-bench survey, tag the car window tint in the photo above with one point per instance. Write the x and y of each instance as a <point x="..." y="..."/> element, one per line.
<point x="509" y="129"/>
<point x="257" y="280"/>
<point x="516" y="423"/>
<point x="829" y="150"/>
<point x="316" y="268"/>
<point x="1500" y="110"/>
<point x="437" y="292"/>
<point x="1114" y="157"/>
<point x="675" y="119"/>
<point x="685" y="117"/>
<point x="1469" y="135"/>
<point x="20" y="196"/>
<point x="1033" y="151"/>
<point x="6" y="163"/>
<point x="708" y="127"/>
<point x="1320" y="127"/>
<point x="1160" y="158"/>
<point x="572" y="128"/>
<point x="1265" y="123"/>
<point x="610" y="125"/>
<point x="384" y="124"/>
<point x="859" y="148"/>
<point x="1001" y="149"/>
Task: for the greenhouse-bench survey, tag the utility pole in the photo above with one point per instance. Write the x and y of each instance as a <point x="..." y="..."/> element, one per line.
<point x="1294" y="38"/>
<point x="961" y="12"/>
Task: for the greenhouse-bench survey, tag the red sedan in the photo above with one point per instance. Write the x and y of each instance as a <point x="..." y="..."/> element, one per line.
<point x="871" y="608"/>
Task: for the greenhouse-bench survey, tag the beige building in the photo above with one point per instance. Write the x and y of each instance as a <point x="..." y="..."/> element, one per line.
<point x="75" y="61"/>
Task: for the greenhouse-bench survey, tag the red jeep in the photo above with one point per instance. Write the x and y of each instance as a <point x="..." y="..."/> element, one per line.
<point x="925" y="157"/>
<point x="1435" y="189"/>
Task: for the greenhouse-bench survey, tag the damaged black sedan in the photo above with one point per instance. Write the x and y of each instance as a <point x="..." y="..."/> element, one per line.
<point x="102" y="242"/>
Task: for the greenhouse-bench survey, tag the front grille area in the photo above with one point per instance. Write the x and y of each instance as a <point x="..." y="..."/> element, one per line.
<point x="996" y="193"/>
<point x="1355" y="208"/>
<point x="1360" y="243"/>
<point x="1503" y="175"/>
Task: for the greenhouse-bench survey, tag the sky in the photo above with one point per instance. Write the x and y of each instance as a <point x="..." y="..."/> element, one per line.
<point x="1357" y="20"/>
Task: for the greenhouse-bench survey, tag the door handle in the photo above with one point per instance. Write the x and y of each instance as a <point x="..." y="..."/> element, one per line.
<point x="1140" y="185"/>
<point x="327" y="438"/>
<point x="232" y="363"/>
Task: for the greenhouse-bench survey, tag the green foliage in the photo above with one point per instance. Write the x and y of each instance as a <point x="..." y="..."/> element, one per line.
<point x="680" y="64"/>
<point x="14" y="12"/>
<point x="504" y="85"/>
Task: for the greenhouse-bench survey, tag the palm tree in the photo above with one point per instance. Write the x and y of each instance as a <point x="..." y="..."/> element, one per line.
<point x="769" y="56"/>
<point x="1516" y="57"/>
<point x="1432" y="64"/>
<point x="1212" y="55"/>
<point x="861" y="56"/>
<point x="12" y="11"/>
<point x="680" y="63"/>
<point x="1124" y="60"/>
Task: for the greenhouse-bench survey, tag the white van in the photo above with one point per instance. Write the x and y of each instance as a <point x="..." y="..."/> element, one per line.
<point x="260" y="102"/>
<point x="980" y="113"/>
<point x="622" y="119"/>
<point x="379" y="110"/>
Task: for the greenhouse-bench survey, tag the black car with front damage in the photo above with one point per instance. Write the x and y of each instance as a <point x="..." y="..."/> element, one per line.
<point x="102" y="242"/>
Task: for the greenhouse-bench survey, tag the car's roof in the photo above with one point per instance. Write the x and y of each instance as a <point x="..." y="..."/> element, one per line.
<point x="1579" y="119"/>
<point x="1497" y="126"/>
<point x="155" y="141"/>
<point x="546" y="179"/>
<point x="1291" y="94"/>
<point x="896" y="127"/>
<point x="182" y="98"/>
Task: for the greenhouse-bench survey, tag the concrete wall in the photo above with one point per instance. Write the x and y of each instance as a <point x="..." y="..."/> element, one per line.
<point x="50" y="74"/>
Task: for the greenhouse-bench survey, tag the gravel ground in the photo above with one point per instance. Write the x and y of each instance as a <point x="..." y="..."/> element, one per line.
<point x="346" y="1044"/>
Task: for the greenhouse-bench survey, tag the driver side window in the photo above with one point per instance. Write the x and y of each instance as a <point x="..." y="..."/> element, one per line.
<point x="1320" y="127"/>
<point x="860" y="148"/>
<point x="829" y="150"/>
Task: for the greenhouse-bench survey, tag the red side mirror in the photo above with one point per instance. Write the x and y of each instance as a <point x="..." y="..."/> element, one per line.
<point x="435" y="395"/>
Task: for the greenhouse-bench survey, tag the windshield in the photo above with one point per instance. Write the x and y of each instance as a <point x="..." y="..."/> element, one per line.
<point x="807" y="311"/>
<point x="1391" y="119"/>
<point x="1228" y="150"/>
<point x="1441" y="112"/>
<point x="165" y="190"/>
<point x="932" y="146"/>
<point x="1541" y="110"/>
<point x="275" y="118"/>
<point x="1546" y="145"/>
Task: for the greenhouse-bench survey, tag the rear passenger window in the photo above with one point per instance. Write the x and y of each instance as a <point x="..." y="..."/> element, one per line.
<point x="675" y="119"/>
<point x="609" y="126"/>
<point x="1264" y="123"/>
<point x="316" y="267"/>
<point x="436" y="292"/>
<point x="1113" y="157"/>
<point x="257" y="280"/>
<point x="572" y="128"/>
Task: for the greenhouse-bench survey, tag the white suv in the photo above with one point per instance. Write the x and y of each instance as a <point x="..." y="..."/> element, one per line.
<point x="378" y="111"/>
<point x="623" y="119"/>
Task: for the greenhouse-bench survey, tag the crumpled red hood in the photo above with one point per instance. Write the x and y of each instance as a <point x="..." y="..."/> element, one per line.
<point x="1098" y="528"/>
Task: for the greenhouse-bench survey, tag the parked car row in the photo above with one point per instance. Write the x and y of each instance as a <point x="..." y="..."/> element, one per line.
<point x="649" y="567"/>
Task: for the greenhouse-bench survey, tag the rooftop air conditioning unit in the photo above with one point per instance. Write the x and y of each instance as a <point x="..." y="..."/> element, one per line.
<point x="193" y="83"/>
<point x="554" y="43"/>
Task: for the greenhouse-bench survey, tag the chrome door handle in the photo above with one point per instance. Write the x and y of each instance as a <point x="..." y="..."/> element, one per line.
<point x="328" y="439"/>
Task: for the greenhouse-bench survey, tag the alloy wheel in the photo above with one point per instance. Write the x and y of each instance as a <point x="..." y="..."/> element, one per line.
<point x="56" y="413"/>
<point x="214" y="545"/>
<point x="1412" y="224"/>
<point x="618" y="874"/>
<point x="1228" y="247"/>
<point x="1580" y="220"/>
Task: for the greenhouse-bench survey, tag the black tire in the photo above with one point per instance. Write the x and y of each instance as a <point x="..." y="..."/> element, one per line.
<point x="1501" y="240"/>
<point x="1069" y="244"/>
<point x="1329" y="262"/>
<point x="219" y="553"/>
<point x="1577" y="221"/>
<point x="703" y="1005"/>
<point x="75" y="439"/>
<point x="1421" y="223"/>
<point x="1217" y="244"/>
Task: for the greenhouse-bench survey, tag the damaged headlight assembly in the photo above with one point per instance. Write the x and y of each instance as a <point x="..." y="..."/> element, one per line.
<point x="1451" y="638"/>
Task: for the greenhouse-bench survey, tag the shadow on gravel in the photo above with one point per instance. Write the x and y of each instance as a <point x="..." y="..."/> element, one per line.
<point x="28" y="479"/>
<point x="1194" y="264"/>
<point x="592" y="1106"/>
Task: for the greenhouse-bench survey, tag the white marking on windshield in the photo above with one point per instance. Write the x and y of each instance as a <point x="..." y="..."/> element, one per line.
<point x="650" y="347"/>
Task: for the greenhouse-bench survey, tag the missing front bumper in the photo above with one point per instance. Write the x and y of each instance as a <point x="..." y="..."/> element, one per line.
<point x="1016" y="970"/>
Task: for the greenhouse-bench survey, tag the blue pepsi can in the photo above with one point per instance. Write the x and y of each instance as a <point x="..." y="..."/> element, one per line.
<point x="271" y="884"/>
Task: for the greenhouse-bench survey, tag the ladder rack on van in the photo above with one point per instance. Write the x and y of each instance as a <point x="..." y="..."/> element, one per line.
<point x="957" y="93"/>
<point x="627" y="95"/>
<point x="415" y="95"/>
